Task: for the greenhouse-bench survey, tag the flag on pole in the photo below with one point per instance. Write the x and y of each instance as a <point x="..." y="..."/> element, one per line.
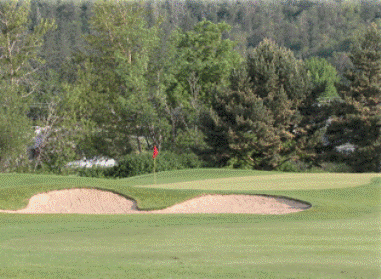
<point x="155" y="152"/>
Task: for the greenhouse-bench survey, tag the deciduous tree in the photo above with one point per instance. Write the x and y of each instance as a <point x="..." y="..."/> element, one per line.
<point x="202" y="59"/>
<point x="118" y="49"/>
<point x="324" y="78"/>
<point x="19" y="61"/>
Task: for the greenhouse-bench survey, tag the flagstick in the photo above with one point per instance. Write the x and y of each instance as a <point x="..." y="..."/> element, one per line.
<point x="154" y="167"/>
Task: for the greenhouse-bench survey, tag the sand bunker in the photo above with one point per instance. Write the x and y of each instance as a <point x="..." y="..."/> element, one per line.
<point x="92" y="201"/>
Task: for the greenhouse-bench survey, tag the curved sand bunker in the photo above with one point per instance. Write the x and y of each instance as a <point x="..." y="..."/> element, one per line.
<point x="92" y="201"/>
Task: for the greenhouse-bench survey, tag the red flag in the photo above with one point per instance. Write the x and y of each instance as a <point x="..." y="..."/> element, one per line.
<point x="155" y="152"/>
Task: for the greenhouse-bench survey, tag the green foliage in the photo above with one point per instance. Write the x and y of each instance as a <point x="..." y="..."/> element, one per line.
<point x="98" y="172"/>
<point x="336" y="167"/>
<point x="120" y="52"/>
<point x="49" y="88"/>
<point x="203" y="60"/>
<point x="172" y="161"/>
<point x="359" y="120"/>
<point x="15" y="128"/>
<point x="137" y="77"/>
<point x="300" y="166"/>
<point x="132" y="66"/>
<point x="18" y="46"/>
<point x="323" y="76"/>
<point x="182" y="74"/>
<point x="189" y="140"/>
<point x="70" y="125"/>
<point x="316" y="109"/>
<point x="237" y="163"/>
<point x="131" y="165"/>
<point x="19" y="61"/>
<point x="138" y="164"/>
<point x="255" y="119"/>
<point x="289" y="166"/>
<point x="271" y="67"/>
<point x="57" y="152"/>
<point x="197" y="61"/>
<point x="309" y="28"/>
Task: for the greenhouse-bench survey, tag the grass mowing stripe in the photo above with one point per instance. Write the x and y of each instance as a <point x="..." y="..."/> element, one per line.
<point x="201" y="247"/>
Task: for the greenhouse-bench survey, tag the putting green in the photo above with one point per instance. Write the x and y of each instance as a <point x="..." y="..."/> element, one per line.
<point x="281" y="181"/>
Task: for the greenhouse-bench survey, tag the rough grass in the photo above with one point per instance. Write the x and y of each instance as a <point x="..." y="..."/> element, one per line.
<point x="339" y="237"/>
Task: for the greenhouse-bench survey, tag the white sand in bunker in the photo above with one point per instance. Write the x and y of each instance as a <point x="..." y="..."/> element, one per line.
<point x="92" y="201"/>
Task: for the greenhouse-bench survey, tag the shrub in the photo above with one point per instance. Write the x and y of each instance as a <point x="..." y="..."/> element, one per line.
<point x="235" y="163"/>
<point x="336" y="167"/>
<point x="98" y="172"/>
<point x="138" y="164"/>
<point x="299" y="166"/>
<point x="289" y="166"/>
<point x="191" y="161"/>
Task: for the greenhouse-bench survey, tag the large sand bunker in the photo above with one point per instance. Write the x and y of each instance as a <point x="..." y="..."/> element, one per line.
<point x="92" y="201"/>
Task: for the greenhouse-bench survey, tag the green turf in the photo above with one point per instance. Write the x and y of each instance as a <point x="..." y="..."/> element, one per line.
<point x="275" y="181"/>
<point x="339" y="237"/>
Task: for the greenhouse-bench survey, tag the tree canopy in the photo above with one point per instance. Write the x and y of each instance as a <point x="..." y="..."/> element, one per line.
<point x="254" y="121"/>
<point x="258" y="85"/>
<point x="358" y="122"/>
<point x="19" y="62"/>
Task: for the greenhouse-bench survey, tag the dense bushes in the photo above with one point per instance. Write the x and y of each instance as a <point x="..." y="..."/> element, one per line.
<point x="299" y="166"/>
<point x="138" y="164"/>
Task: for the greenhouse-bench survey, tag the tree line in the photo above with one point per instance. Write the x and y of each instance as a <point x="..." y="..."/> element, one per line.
<point x="248" y="85"/>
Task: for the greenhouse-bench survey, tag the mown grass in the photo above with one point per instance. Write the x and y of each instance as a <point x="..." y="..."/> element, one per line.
<point x="339" y="237"/>
<point x="176" y="186"/>
<point x="17" y="189"/>
<point x="270" y="181"/>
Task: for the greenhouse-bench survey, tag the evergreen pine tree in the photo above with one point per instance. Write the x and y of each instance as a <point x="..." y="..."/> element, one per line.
<point x="254" y="122"/>
<point x="359" y="122"/>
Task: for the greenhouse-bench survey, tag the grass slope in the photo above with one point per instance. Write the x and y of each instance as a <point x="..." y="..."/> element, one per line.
<point x="339" y="237"/>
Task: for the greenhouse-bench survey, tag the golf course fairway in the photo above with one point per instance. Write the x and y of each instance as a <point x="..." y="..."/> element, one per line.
<point x="338" y="237"/>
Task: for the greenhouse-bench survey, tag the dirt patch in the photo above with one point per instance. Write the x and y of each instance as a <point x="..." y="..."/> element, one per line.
<point x="92" y="201"/>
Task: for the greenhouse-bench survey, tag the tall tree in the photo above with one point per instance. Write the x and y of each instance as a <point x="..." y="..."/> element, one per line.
<point x="18" y="46"/>
<point x="204" y="59"/>
<point x="359" y="121"/>
<point x="15" y="128"/>
<point x="137" y="103"/>
<point x="255" y="120"/>
<point x="118" y="49"/>
<point x="316" y="110"/>
<point x="201" y="60"/>
<point x="19" y="61"/>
